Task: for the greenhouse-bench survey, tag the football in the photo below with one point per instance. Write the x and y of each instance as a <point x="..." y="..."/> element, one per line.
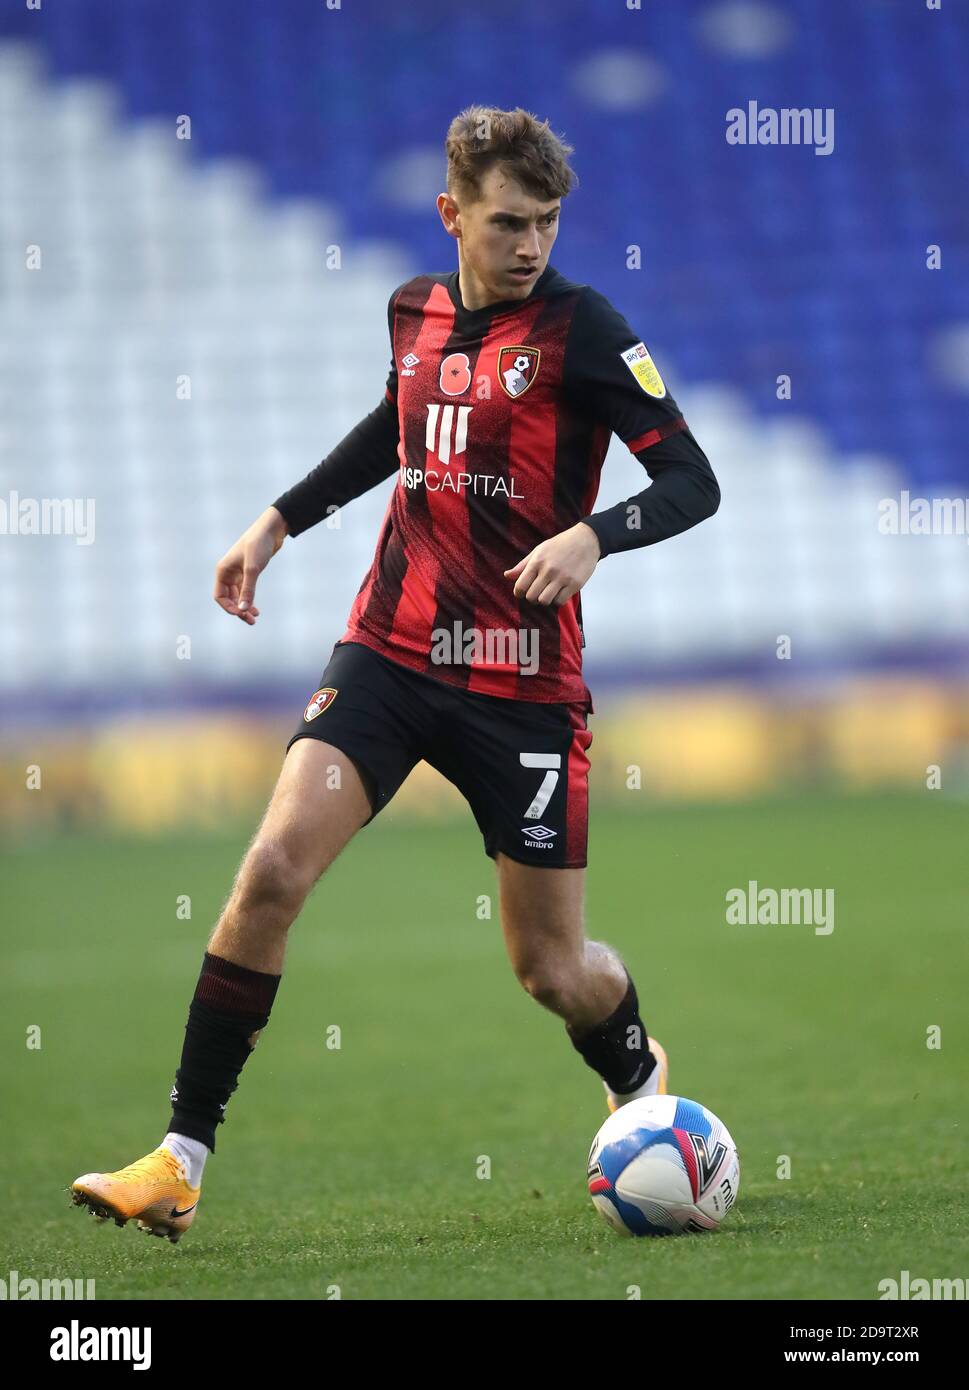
<point x="663" y="1166"/>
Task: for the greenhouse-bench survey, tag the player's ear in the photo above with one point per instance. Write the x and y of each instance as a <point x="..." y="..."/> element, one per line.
<point x="449" y="213"/>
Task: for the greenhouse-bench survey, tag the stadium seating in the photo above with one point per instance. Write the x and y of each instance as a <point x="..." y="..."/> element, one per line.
<point x="171" y="265"/>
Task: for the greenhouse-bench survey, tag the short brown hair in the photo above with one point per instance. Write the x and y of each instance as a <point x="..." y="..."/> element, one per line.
<point x="482" y="136"/>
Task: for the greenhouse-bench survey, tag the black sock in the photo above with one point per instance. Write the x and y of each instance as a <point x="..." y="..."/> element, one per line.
<point x="230" y="1008"/>
<point x="617" y="1048"/>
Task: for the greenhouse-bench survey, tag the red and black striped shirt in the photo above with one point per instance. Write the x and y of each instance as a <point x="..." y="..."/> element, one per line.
<point x="497" y="421"/>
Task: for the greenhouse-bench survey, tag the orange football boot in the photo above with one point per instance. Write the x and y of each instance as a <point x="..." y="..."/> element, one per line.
<point x="152" y="1190"/>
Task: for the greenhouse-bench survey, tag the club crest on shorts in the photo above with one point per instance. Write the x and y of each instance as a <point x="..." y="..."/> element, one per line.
<point x="517" y="369"/>
<point x="320" y="701"/>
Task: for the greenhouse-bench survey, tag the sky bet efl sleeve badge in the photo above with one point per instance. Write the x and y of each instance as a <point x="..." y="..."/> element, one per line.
<point x="517" y="369"/>
<point x="643" y="368"/>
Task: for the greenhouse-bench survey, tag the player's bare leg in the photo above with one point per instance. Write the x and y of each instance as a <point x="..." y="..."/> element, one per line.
<point x="583" y="981"/>
<point x="542" y="919"/>
<point x="318" y="805"/>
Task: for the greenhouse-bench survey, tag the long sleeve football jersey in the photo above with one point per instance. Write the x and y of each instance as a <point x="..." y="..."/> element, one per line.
<point x="496" y="422"/>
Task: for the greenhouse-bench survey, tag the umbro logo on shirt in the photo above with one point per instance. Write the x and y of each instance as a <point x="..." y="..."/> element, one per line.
<point x="408" y="364"/>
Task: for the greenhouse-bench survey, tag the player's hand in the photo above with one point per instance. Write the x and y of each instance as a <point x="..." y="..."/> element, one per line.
<point x="557" y="568"/>
<point x="237" y="571"/>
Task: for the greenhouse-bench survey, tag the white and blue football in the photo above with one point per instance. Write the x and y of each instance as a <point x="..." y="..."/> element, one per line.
<point x="663" y="1166"/>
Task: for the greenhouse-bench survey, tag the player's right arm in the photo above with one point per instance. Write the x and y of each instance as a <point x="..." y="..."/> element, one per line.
<point x="364" y="458"/>
<point x="359" y="462"/>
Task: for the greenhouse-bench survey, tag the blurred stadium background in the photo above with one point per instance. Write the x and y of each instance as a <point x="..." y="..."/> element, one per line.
<point x="188" y="324"/>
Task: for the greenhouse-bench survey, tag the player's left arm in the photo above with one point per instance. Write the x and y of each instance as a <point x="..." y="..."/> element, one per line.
<point x="612" y="377"/>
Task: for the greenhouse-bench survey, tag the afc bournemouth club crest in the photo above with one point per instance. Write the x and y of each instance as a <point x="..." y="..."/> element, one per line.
<point x="517" y="369"/>
<point x="320" y="701"/>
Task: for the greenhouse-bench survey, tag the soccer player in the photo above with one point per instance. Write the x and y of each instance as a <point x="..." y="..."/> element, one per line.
<point x="464" y="643"/>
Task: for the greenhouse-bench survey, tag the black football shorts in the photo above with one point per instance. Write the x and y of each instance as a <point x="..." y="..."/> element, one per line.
<point x="520" y="764"/>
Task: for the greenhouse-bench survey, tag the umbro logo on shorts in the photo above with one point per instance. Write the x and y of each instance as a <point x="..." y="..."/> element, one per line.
<point x="538" y="836"/>
<point x="320" y="701"/>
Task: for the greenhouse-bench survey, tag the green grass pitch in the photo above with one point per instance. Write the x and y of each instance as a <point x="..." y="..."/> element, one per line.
<point x="357" y="1168"/>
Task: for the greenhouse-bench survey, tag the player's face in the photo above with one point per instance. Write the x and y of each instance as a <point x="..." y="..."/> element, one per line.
<point x="506" y="237"/>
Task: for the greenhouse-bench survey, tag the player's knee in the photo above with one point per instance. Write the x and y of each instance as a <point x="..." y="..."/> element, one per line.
<point x="550" y="985"/>
<point x="273" y="876"/>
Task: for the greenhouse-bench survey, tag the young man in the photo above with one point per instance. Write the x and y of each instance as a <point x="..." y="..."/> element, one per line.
<point x="464" y="643"/>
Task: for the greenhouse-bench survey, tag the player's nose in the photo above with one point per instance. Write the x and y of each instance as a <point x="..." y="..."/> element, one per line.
<point x="530" y="249"/>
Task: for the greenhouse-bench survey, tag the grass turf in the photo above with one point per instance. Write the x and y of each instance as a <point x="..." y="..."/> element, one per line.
<point x="357" y="1167"/>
